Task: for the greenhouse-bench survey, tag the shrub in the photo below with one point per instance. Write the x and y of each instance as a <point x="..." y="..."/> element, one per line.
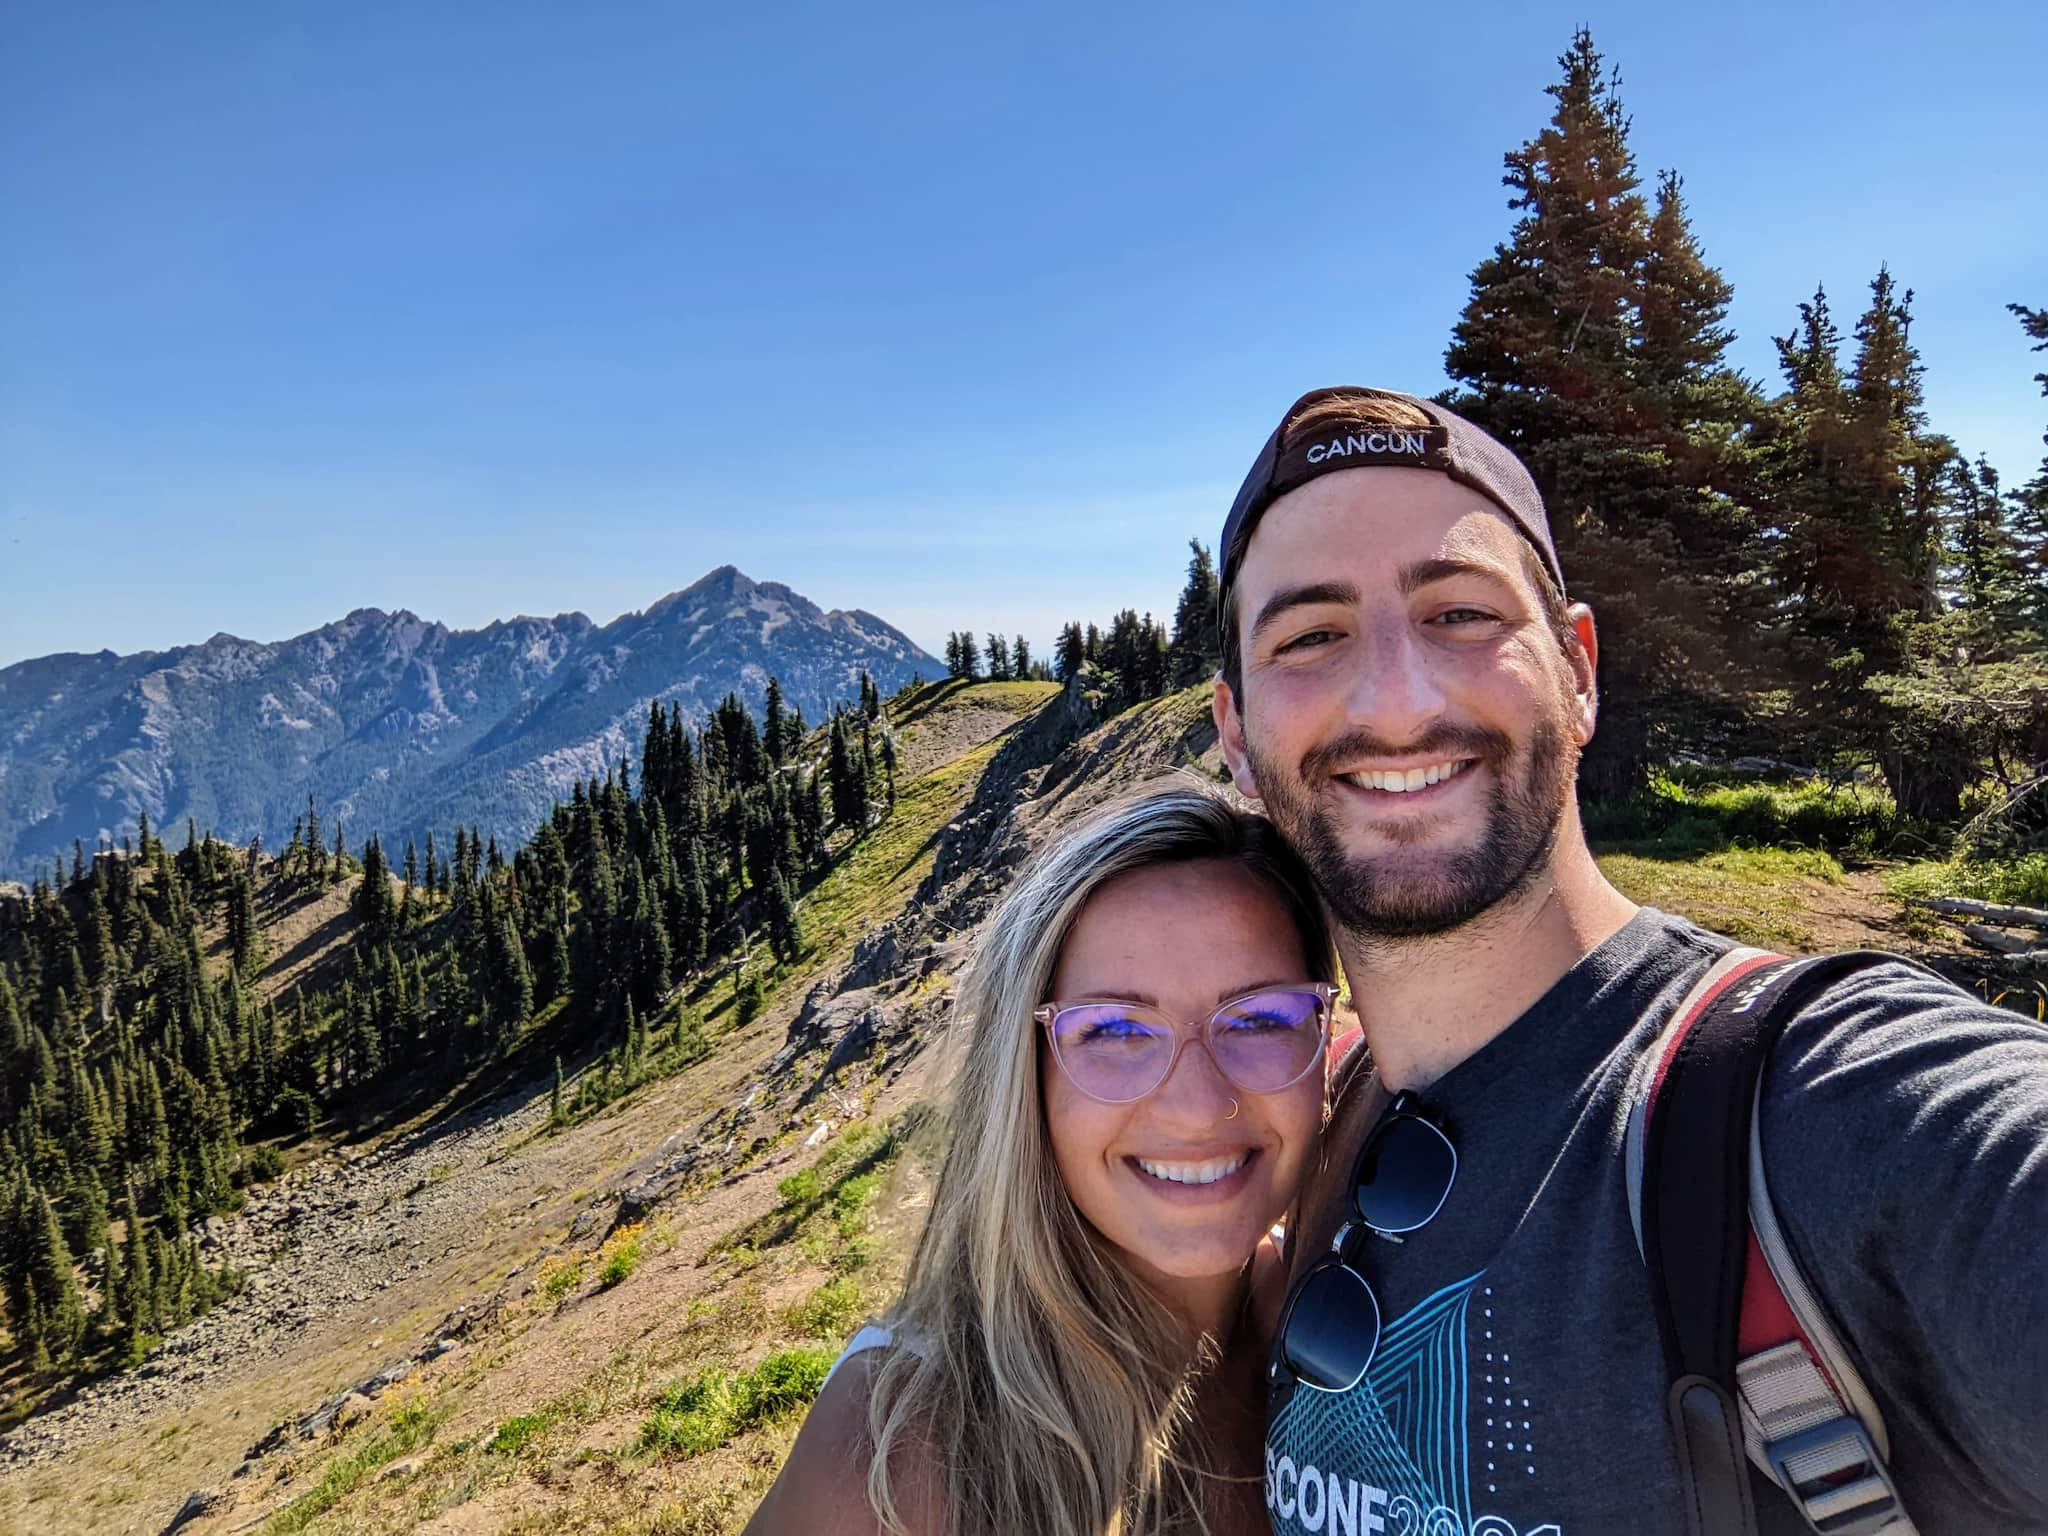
<point x="704" y="1412"/>
<point x="560" y="1274"/>
<point x="830" y="1311"/>
<point x="619" y="1256"/>
<point x="262" y="1165"/>
<point x="516" y="1434"/>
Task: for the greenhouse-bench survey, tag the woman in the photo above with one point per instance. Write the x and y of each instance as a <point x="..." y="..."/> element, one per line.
<point x="1142" y="1088"/>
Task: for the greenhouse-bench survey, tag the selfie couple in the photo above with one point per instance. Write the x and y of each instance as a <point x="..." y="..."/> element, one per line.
<point x="1605" y="1225"/>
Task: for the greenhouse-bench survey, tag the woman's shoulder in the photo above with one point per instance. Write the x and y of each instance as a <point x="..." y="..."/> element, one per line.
<point x="822" y="1489"/>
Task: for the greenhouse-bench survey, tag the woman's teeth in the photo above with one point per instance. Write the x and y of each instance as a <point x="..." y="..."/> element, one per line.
<point x="1399" y="783"/>
<point x="1194" y="1173"/>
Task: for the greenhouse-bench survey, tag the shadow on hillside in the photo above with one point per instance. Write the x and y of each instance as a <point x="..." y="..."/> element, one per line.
<point x="328" y="934"/>
<point x="930" y="700"/>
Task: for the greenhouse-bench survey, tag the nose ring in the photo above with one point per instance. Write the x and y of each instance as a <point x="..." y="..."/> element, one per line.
<point x="1233" y="1110"/>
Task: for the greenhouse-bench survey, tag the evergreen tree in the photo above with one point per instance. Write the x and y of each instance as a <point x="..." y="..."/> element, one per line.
<point x="315" y="869"/>
<point x="785" y="934"/>
<point x="848" y="780"/>
<point x="1020" y="659"/>
<point x="2028" y="503"/>
<point x="373" y="902"/>
<point x="773" y="722"/>
<point x="243" y="931"/>
<point x="1197" y="649"/>
<point x="54" y="1315"/>
<point x="998" y="658"/>
<point x="1069" y="655"/>
<point x="1593" y="344"/>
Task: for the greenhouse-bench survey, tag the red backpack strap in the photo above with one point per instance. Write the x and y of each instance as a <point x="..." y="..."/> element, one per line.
<point x="1749" y="1382"/>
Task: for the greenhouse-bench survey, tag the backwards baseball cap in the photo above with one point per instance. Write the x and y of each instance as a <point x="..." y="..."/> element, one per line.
<point x="1450" y="445"/>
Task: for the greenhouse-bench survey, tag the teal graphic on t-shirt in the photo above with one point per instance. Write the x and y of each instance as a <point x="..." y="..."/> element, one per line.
<point x="1392" y="1455"/>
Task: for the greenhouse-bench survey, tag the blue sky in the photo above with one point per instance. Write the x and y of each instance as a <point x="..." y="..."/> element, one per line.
<point x="969" y="316"/>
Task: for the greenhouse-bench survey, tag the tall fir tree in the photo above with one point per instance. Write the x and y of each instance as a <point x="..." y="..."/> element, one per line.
<point x="1197" y="649"/>
<point x="1592" y="345"/>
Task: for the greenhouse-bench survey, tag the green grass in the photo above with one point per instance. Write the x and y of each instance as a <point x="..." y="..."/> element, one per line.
<point x="516" y="1434"/>
<point x="1687" y="812"/>
<point x="827" y="1207"/>
<point x="619" y="1257"/>
<point x="2017" y="882"/>
<point x="710" y="1408"/>
<point x="830" y="1311"/>
<point x="1754" y="895"/>
<point x="935" y="700"/>
<point x="412" y="1425"/>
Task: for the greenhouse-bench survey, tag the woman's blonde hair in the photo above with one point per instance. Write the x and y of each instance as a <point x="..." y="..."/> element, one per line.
<point x="1046" y="1388"/>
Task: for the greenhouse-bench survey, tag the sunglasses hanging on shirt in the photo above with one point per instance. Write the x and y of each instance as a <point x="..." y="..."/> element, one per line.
<point x="1330" y="1329"/>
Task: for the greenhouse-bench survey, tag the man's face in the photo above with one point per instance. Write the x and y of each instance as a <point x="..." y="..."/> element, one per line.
<point x="1407" y="713"/>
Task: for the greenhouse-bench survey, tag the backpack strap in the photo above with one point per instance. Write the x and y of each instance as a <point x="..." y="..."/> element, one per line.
<point x="1755" y="1365"/>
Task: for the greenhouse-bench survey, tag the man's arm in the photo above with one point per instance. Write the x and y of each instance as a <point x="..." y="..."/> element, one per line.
<point x="1905" y="1134"/>
<point x="823" y="1487"/>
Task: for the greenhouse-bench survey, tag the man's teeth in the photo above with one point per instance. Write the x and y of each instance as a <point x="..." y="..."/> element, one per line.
<point x="1195" y="1173"/>
<point x="1399" y="783"/>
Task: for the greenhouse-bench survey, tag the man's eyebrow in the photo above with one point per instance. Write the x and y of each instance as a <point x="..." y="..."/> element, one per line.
<point x="1340" y="592"/>
<point x="1419" y="575"/>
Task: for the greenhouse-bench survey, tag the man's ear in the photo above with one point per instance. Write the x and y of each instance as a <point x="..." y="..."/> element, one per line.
<point x="1230" y="736"/>
<point x="1583" y="657"/>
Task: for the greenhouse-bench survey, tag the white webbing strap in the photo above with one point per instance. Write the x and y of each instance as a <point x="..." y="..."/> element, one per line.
<point x="1819" y="1437"/>
<point x="1819" y="1453"/>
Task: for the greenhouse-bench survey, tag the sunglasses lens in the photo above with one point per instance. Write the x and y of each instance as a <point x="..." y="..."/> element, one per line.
<point x="1110" y="1051"/>
<point x="1333" y="1329"/>
<point x="1269" y="1040"/>
<point x="1404" y="1173"/>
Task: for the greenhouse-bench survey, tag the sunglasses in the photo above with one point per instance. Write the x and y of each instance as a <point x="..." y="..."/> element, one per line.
<point x="1330" y="1329"/>
<point x="1118" y="1052"/>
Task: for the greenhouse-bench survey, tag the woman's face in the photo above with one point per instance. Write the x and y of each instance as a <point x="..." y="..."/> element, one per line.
<point x="1183" y="938"/>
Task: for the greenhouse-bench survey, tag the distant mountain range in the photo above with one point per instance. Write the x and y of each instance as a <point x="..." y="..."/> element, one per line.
<point x="396" y="725"/>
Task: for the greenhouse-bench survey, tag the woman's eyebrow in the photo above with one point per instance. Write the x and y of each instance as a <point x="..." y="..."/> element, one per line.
<point x="1276" y="606"/>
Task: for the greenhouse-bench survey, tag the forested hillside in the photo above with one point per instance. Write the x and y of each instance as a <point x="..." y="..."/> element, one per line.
<point x="146" y="1043"/>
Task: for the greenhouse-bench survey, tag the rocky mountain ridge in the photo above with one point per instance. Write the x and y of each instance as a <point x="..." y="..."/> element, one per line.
<point x="397" y="724"/>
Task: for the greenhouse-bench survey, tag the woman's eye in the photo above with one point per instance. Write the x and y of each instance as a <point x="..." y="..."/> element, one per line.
<point x="1114" y="1029"/>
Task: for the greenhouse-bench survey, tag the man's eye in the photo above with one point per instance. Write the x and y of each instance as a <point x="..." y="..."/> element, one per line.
<point x="1453" y="616"/>
<point x="1307" y="641"/>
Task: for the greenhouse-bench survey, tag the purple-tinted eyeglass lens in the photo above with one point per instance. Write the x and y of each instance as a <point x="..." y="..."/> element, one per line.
<point x="1111" y="1050"/>
<point x="1269" y="1040"/>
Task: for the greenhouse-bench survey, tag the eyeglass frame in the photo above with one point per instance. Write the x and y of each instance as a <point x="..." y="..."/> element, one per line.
<point x="1346" y="1246"/>
<point x="1326" y="993"/>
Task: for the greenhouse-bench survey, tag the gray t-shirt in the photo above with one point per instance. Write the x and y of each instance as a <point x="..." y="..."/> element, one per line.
<point x="1519" y="1386"/>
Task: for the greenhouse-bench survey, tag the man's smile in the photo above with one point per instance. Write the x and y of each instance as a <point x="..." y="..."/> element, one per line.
<point x="1403" y="781"/>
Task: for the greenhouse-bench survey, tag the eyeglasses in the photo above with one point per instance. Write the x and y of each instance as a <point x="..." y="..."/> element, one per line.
<point x="1330" y="1329"/>
<point x="1118" y="1052"/>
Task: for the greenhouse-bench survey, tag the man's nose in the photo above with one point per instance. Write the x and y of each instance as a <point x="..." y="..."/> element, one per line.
<point x="1394" y="692"/>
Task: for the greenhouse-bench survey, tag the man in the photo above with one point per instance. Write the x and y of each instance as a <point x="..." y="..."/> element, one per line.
<point x="1407" y="690"/>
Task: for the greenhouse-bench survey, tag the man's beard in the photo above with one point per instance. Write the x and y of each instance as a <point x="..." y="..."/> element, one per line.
<point x="1389" y="896"/>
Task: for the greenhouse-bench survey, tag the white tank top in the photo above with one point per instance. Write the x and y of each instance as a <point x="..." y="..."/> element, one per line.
<point x="869" y="1337"/>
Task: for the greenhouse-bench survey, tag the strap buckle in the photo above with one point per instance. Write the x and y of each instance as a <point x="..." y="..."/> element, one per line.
<point x="1837" y="1479"/>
